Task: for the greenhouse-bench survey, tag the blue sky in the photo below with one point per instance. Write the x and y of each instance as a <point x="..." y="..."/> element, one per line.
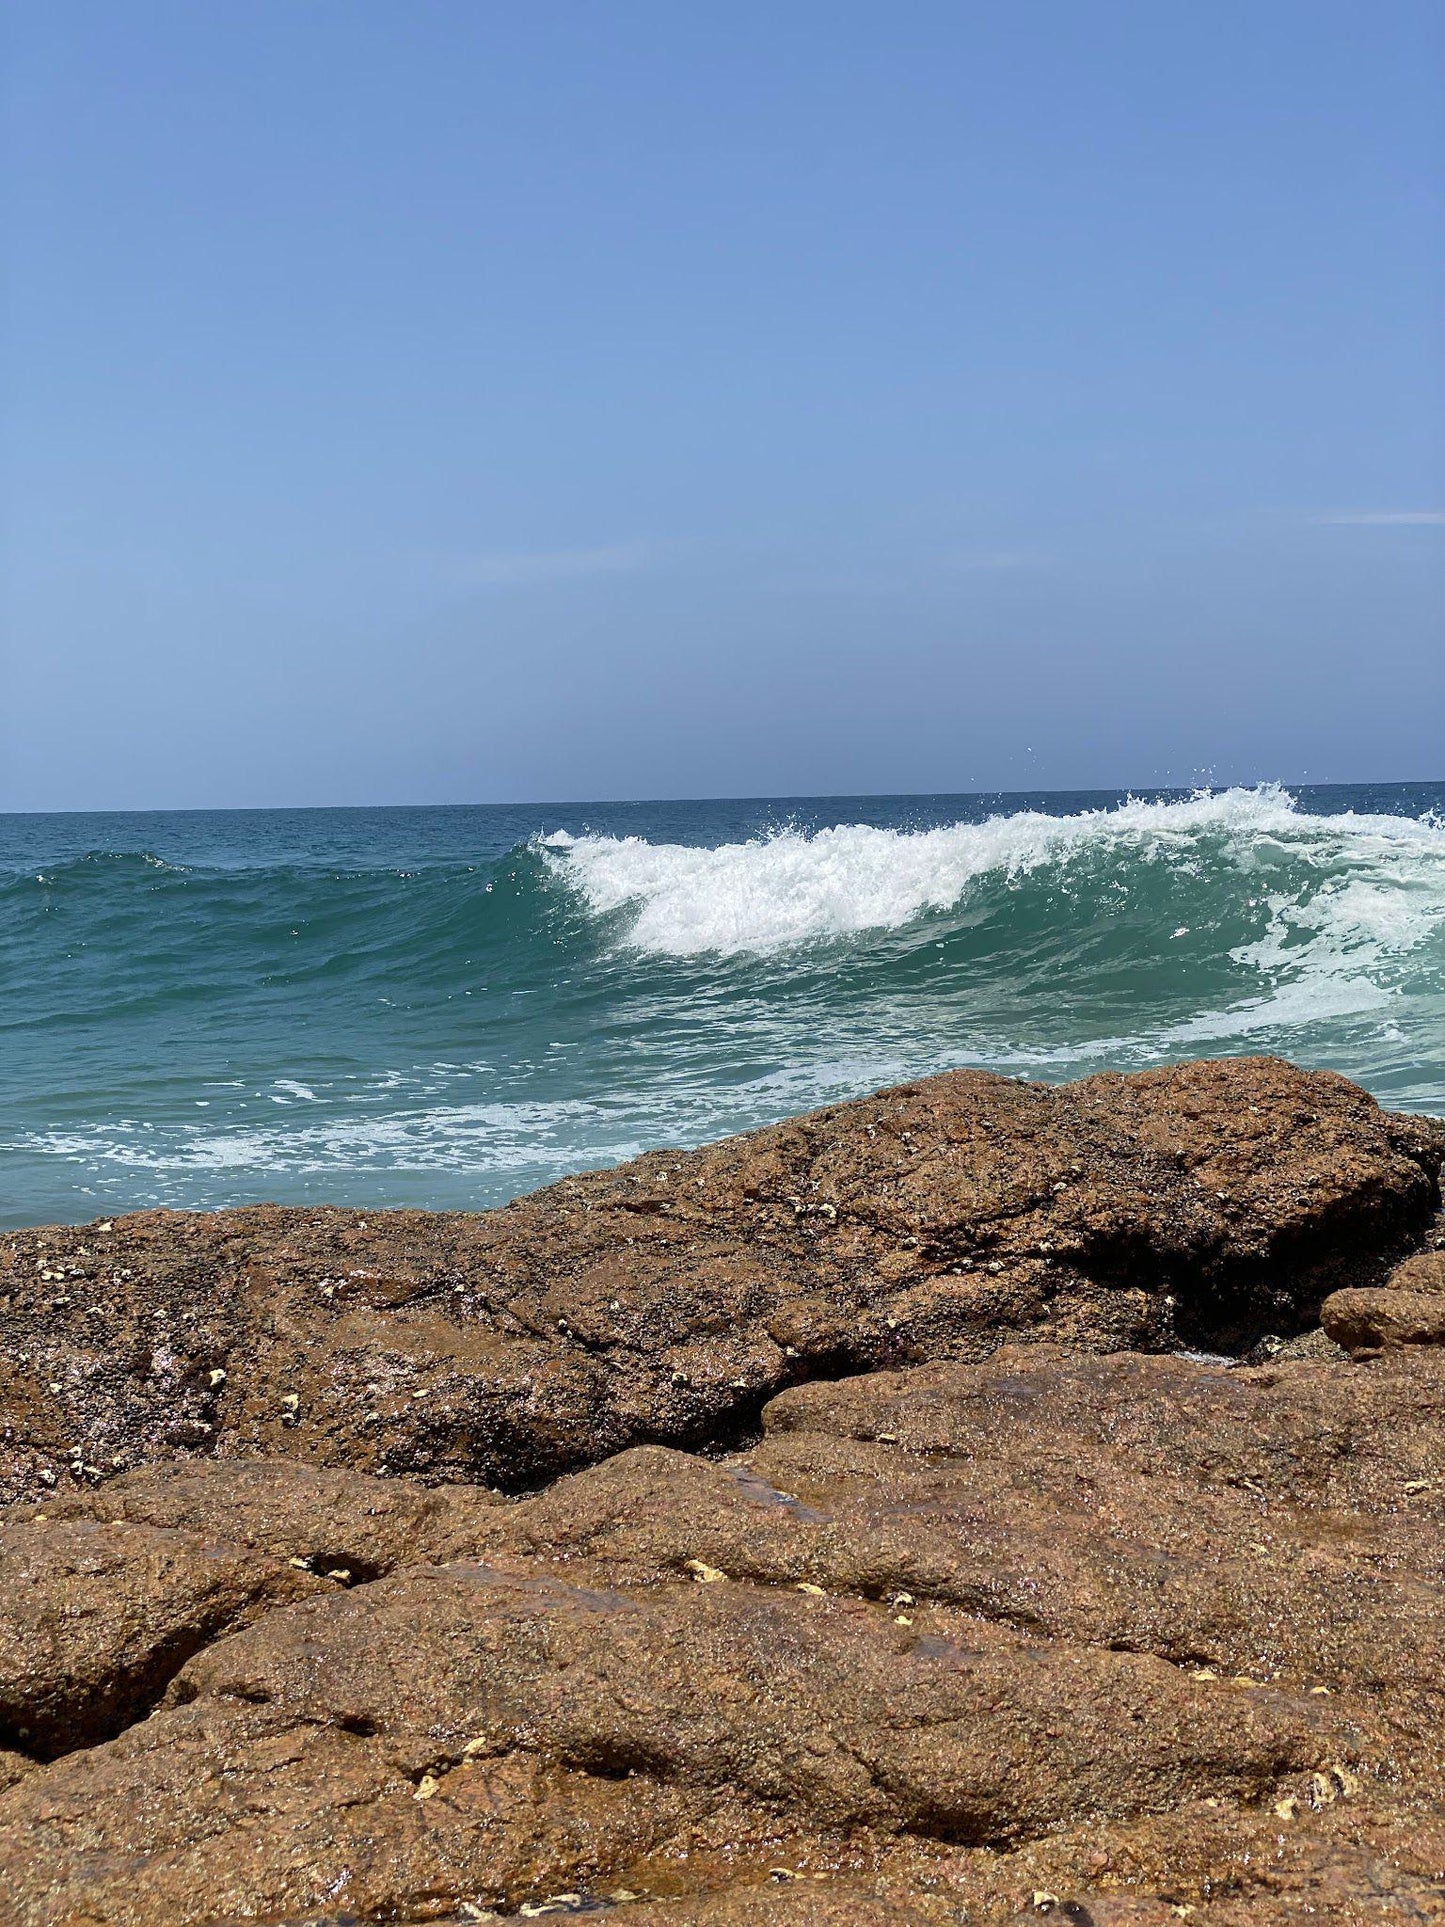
<point x="464" y="402"/>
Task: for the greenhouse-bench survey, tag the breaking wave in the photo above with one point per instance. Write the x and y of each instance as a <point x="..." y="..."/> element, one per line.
<point x="1377" y="880"/>
<point x="444" y="1008"/>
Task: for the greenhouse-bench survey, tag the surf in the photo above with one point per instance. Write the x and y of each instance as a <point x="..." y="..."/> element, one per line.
<point x="445" y="1008"/>
<point x="795" y="886"/>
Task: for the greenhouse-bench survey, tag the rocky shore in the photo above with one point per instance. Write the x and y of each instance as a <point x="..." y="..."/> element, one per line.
<point x="980" y="1502"/>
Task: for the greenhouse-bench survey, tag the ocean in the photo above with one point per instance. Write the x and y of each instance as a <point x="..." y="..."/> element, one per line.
<point x="447" y="1007"/>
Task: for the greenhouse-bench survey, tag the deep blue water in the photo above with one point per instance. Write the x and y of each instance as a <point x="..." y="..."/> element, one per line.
<point x="449" y="1006"/>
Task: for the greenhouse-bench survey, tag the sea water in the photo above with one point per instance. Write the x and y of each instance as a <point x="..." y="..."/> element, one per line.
<point x="446" y="1007"/>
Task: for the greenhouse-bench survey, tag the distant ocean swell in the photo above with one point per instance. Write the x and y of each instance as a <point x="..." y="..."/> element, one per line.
<point x="422" y="1012"/>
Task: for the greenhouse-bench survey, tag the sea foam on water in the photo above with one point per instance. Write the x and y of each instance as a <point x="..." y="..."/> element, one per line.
<point x="1382" y="878"/>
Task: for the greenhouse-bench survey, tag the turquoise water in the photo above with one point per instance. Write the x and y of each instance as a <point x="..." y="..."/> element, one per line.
<point x="448" y="1006"/>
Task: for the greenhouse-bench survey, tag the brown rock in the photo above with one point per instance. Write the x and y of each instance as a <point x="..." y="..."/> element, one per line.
<point x="330" y="1521"/>
<point x="1408" y="1308"/>
<point x="801" y="1900"/>
<point x="386" y="1739"/>
<point x="1021" y="1620"/>
<point x="1216" y="1518"/>
<point x="96" y="1619"/>
<point x="667" y="1300"/>
<point x="1365" y="1320"/>
<point x="1424" y="1273"/>
<point x="669" y="1664"/>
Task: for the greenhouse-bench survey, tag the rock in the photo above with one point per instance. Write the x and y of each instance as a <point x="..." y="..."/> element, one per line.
<point x="1366" y="1320"/>
<point x="105" y="1595"/>
<point x="331" y="1522"/>
<point x="1147" y="1504"/>
<point x="1423" y="1274"/>
<point x="1407" y="1309"/>
<point x="975" y="1598"/>
<point x="669" y="1299"/>
<point x="795" y="1902"/>
<point x="471" y="1725"/>
<point x="1058" y="1606"/>
<point x="95" y="1620"/>
<point x="1274" y="1350"/>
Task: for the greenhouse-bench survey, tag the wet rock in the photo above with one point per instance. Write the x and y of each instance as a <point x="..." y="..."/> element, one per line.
<point x="1374" y="1856"/>
<point x="95" y="1620"/>
<point x="1220" y="1519"/>
<point x="967" y="1629"/>
<point x="669" y="1299"/>
<point x="800" y="1900"/>
<point x="1316" y="1436"/>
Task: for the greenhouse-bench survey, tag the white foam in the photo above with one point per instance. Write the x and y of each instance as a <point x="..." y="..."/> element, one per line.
<point x="796" y="887"/>
<point x="481" y="1138"/>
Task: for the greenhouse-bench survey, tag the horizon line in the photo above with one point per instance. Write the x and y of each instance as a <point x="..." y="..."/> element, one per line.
<point x="761" y="796"/>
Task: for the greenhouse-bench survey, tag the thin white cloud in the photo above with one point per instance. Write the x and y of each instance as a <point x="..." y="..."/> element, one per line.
<point x="1386" y="519"/>
<point x="506" y="568"/>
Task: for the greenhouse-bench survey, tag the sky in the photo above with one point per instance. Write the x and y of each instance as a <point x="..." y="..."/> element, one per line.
<point x="456" y="401"/>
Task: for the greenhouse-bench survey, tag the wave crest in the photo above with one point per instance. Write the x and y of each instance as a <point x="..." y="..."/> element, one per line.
<point x="1379" y="879"/>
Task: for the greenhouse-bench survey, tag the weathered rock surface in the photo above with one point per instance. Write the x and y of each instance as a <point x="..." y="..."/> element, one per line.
<point x="1359" y="1320"/>
<point x="336" y="1523"/>
<point x="669" y="1299"/>
<point x="105" y="1594"/>
<point x="1424" y="1273"/>
<point x="1125" y="1630"/>
<point x="1409" y="1309"/>
<point x="1141" y="1504"/>
<point x="1028" y="1619"/>
<point x="95" y="1620"/>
